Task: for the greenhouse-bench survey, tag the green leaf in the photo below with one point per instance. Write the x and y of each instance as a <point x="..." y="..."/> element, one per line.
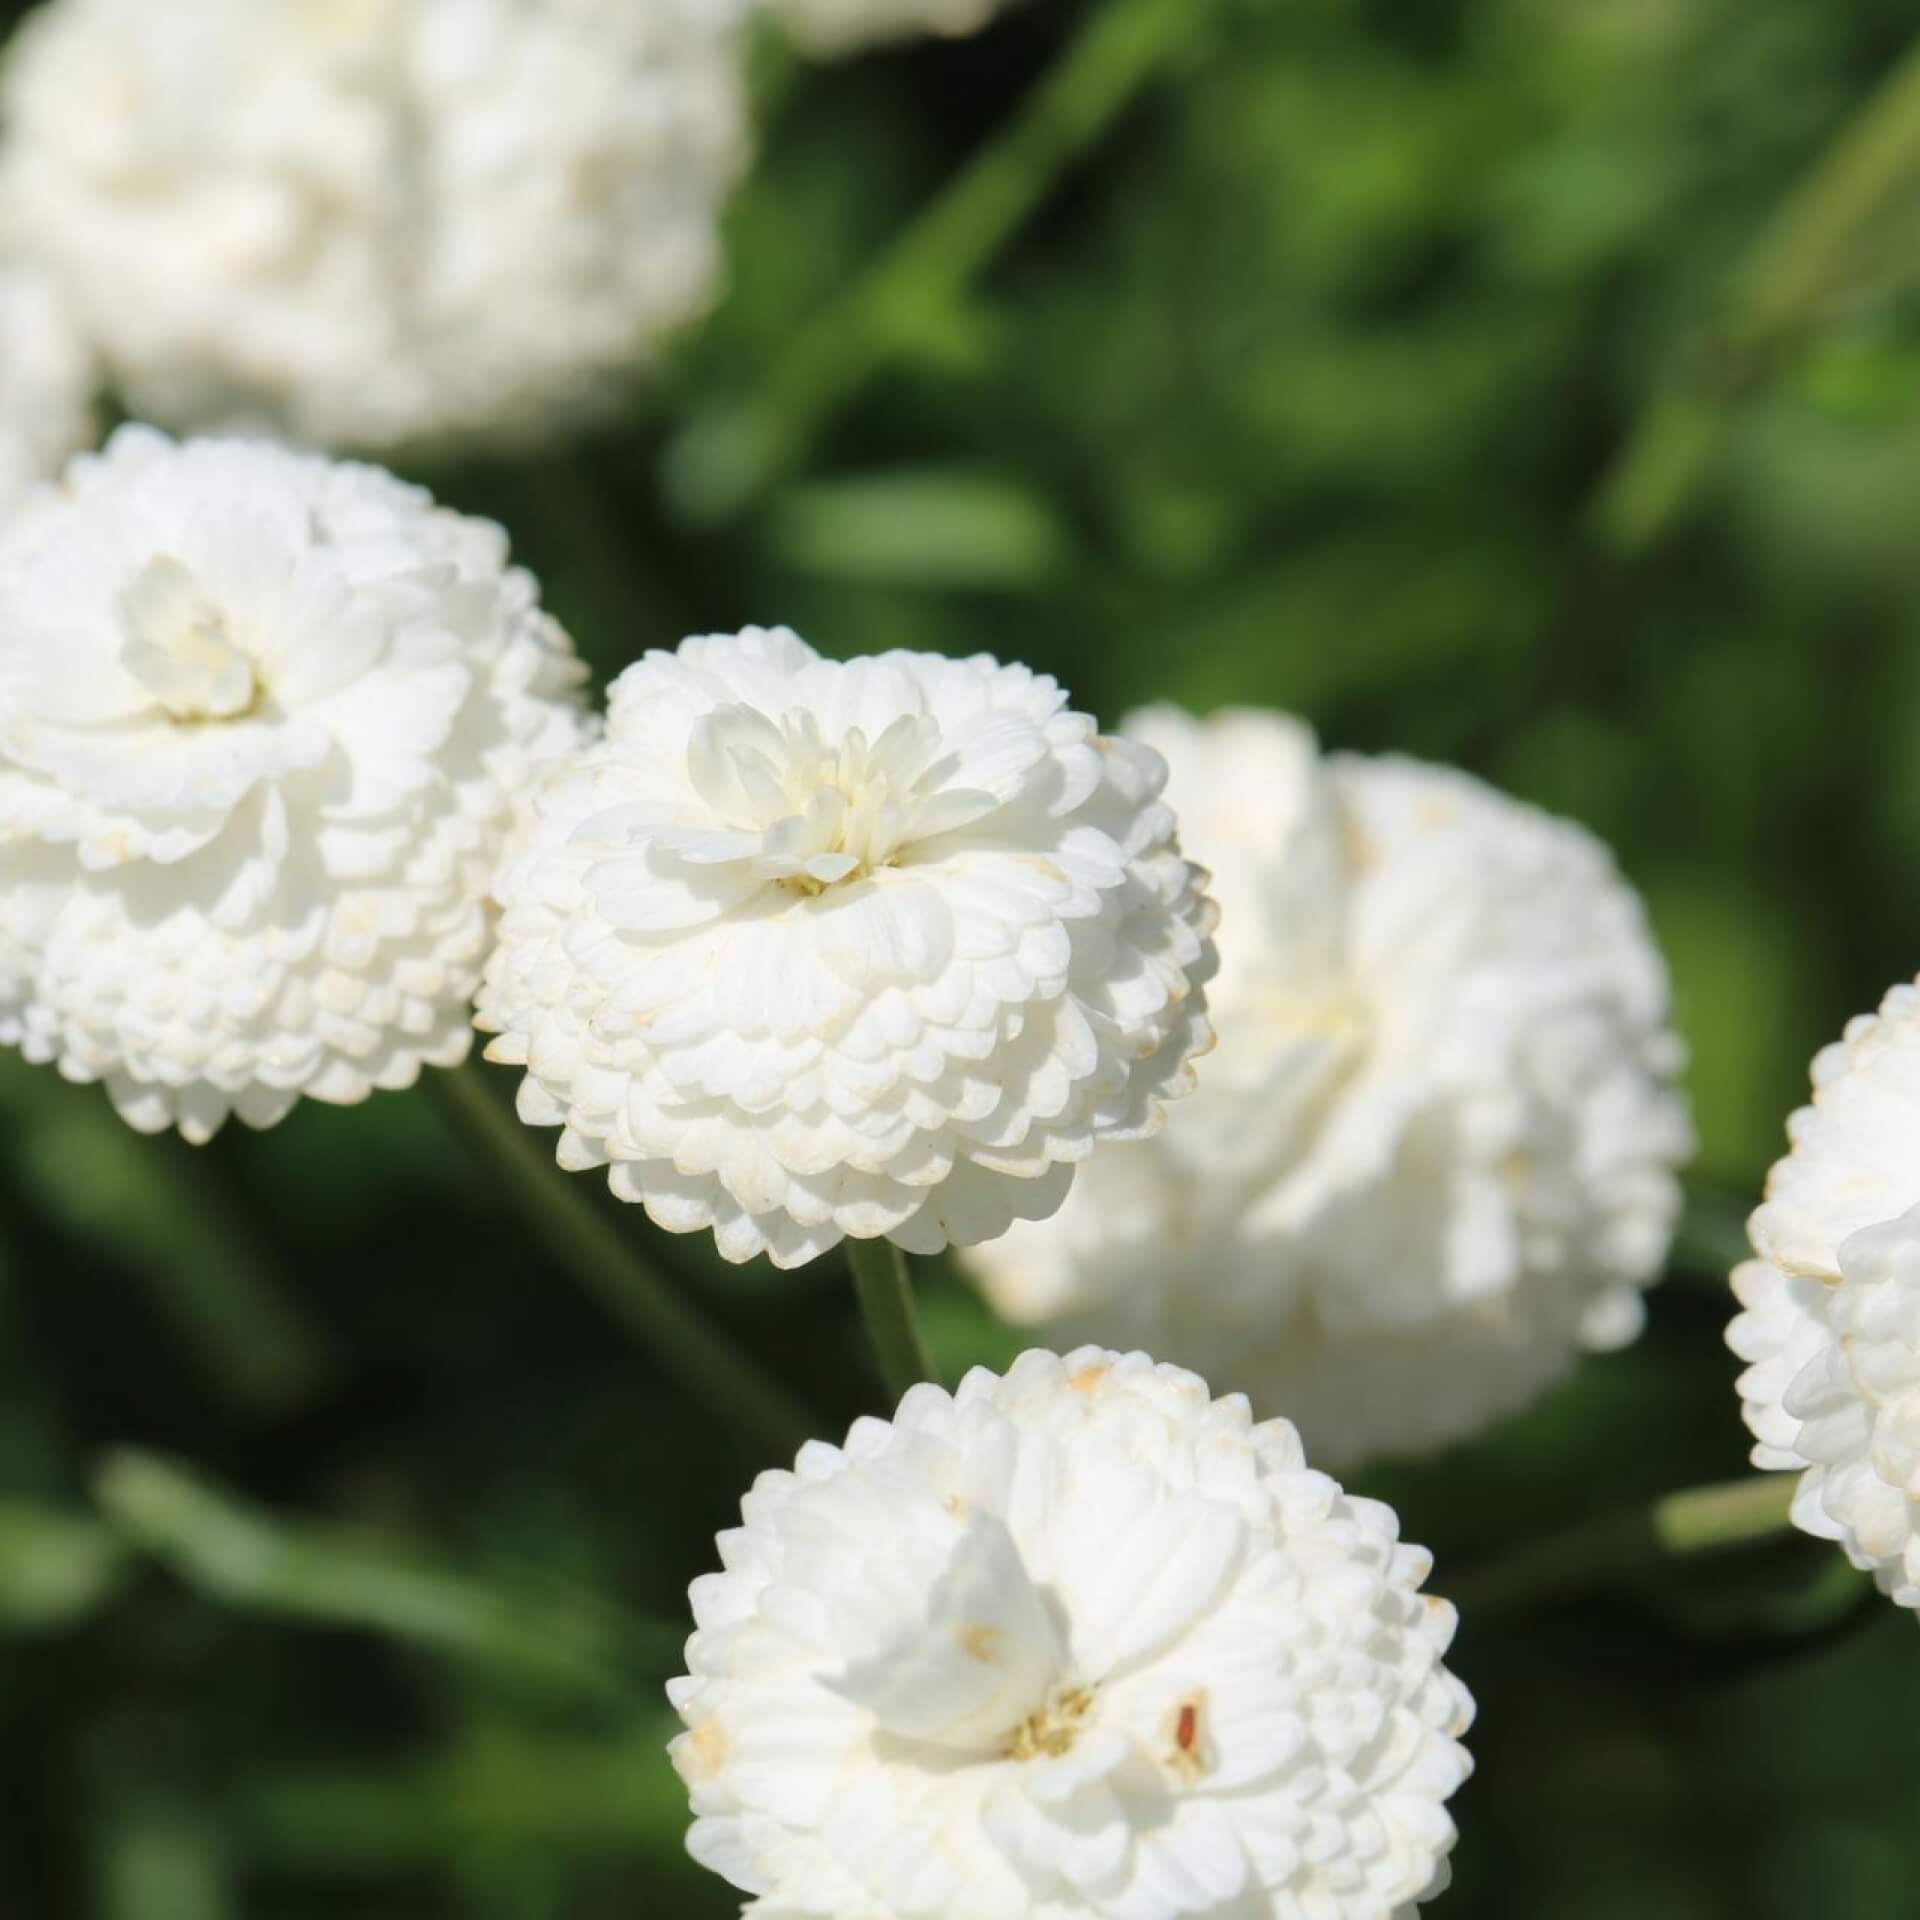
<point x="158" y="1861"/>
<point x="947" y="527"/>
<point x="498" y="1784"/>
<point x="242" y="1557"/>
<point x="55" y="1568"/>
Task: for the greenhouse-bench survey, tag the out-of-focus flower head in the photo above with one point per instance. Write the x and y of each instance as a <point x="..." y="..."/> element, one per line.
<point x="1433" y="1157"/>
<point x="375" y="221"/>
<point x="47" y="378"/>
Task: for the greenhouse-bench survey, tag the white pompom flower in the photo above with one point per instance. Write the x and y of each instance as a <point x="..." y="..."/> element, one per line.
<point x="376" y="221"/>
<point x="806" y="949"/>
<point x="47" y="379"/>
<point x="1831" y="1325"/>
<point x="829" y="29"/>
<point x="1433" y="1158"/>
<point x="263" y="720"/>
<point x="1081" y="1640"/>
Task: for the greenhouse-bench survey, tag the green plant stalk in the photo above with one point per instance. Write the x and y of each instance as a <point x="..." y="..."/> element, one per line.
<point x="1776" y="293"/>
<point x="609" y="1267"/>
<point x="246" y="1558"/>
<point x="169" y="1212"/>
<point x="885" y="1292"/>
<point x="719" y="468"/>
<point x="251" y="1331"/>
<point x="1620" y="1548"/>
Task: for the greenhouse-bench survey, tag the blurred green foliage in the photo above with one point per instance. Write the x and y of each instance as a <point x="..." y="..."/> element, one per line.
<point x="1309" y="383"/>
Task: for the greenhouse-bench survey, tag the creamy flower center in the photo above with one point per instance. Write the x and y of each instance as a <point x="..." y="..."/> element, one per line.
<point x="809" y="812"/>
<point x="1053" y="1728"/>
<point x="178" y="646"/>
<point x="973" y="1659"/>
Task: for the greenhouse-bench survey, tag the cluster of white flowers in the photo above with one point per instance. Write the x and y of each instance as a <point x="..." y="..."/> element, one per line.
<point x="1079" y="1641"/>
<point x="1832" y="1320"/>
<point x="263" y="721"/>
<point x="1434" y="1156"/>
<point x="829" y="28"/>
<point x="374" y="221"/>
<point x="805" y="949"/>
<point x="293" y="766"/>
<point x="47" y="378"/>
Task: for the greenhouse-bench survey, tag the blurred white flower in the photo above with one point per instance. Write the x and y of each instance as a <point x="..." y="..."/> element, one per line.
<point x="1433" y="1158"/>
<point x="806" y="948"/>
<point x="1079" y="1641"/>
<point x="831" y="28"/>
<point x="262" y="720"/>
<point x="375" y="221"/>
<point x="47" y="379"/>
<point x="1832" y="1320"/>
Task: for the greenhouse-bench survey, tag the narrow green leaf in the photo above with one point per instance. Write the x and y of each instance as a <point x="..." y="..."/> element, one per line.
<point x="55" y="1568"/>
<point x="499" y="1782"/>
<point x="245" y="1558"/>
<point x="160" y="1861"/>
<point x="923" y="527"/>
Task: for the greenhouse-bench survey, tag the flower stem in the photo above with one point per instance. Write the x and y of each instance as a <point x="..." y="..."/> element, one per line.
<point x="1776" y="294"/>
<point x="719" y="467"/>
<point x="885" y="1292"/>
<point x="1618" y="1547"/>
<point x="221" y="1289"/>
<point x="607" y="1265"/>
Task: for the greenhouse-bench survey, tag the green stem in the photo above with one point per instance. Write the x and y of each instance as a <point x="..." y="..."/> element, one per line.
<point x="720" y="466"/>
<point x="1620" y="1547"/>
<point x="607" y="1264"/>
<point x="221" y="1288"/>
<point x="1776" y="292"/>
<point x="885" y="1292"/>
<point x="171" y="1214"/>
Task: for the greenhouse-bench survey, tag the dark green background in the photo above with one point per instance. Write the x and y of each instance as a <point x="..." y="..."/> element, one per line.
<point x="1308" y="386"/>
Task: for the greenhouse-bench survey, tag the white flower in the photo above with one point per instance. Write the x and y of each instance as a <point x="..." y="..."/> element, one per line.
<point x="1832" y="1320"/>
<point x="1433" y="1157"/>
<point x="46" y="384"/>
<point x="1079" y="1641"/>
<point x="829" y="28"/>
<point x="375" y="220"/>
<point x="262" y="717"/>
<point x="806" y="949"/>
